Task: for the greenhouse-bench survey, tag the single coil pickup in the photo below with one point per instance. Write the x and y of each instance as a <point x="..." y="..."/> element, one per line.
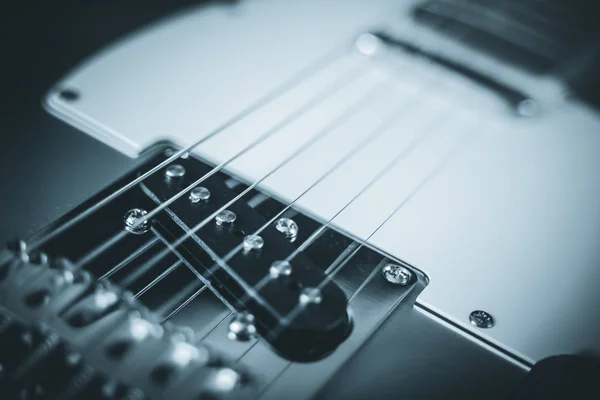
<point x="298" y="310"/>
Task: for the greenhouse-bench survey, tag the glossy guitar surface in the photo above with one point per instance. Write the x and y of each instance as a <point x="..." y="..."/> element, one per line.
<point x="301" y="179"/>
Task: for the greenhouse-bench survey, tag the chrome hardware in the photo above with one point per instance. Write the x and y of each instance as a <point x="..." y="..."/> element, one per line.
<point x="528" y="108"/>
<point x="132" y="224"/>
<point x="287" y="227"/>
<point x="397" y="274"/>
<point x="481" y="319"/>
<point x="280" y="268"/>
<point x="253" y="242"/>
<point x="199" y="194"/>
<point x="175" y="171"/>
<point x="310" y="296"/>
<point x="225" y="218"/>
<point x="242" y="327"/>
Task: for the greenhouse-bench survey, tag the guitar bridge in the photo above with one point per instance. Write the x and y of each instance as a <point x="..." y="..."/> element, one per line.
<point x="175" y="287"/>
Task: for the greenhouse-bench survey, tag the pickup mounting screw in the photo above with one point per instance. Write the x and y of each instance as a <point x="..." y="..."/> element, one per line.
<point x="310" y="296"/>
<point x="225" y="218"/>
<point x="175" y="171"/>
<point x="287" y="227"/>
<point x="242" y="327"/>
<point x="280" y="268"/>
<point x="135" y="223"/>
<point x="481" y="319"/>
<point x="397" y="274"/>
<point x="223" y="381"/>
<point x="253" y="242"/>
<point x="199" y="194"/>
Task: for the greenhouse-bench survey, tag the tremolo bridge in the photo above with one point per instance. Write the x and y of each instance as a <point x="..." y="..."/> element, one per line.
<point x="184" y="289"/>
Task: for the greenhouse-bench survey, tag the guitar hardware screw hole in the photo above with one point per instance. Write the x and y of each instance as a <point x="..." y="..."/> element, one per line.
<point x="481" y="319"/>
<point x="69" y="95"/>
<point x="239" y="233"/>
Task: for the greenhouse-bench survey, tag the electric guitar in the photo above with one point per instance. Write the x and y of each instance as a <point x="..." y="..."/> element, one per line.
<point x="323" y="199"/>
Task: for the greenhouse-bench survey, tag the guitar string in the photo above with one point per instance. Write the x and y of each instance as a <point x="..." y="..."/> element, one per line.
<point x="291" y="83"/>
<point x="365" y="99"/>
<point x="375" y="133"/>
<point x="128" y="259"/>
<point x="382" y="128"/>
<point x="329" y="91"/>
<point x="331" y="274"/>
<point x="432" y="174"/>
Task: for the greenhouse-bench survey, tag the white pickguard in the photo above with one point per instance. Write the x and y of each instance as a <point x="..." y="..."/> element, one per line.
<point x="510" y="224"/>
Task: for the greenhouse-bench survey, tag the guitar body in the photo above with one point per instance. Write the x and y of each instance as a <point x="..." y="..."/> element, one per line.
<point x="474" y="172"/>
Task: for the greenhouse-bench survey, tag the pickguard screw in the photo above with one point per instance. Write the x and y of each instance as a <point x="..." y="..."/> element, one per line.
<point x="481" y="319"/>
<point x="132" y="224"/>
<point x="397" y="274"/>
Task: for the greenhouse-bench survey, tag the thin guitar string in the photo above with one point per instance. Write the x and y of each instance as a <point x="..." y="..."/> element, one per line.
<point x="280" y="90"/>
<point x="413" y="144"/>
<point x="365" y="99"/>
<point x="340" y="83"/>
<point x="432" y="174"/>
<point x="382" y="128"/>
<point x="329" y="91"/>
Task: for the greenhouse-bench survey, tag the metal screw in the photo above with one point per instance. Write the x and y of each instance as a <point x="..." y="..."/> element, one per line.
<point x="481" y="319"/>
<point x="242" y="327"/>
<point x="225" y="218"/>
<point x="175" y="171"/>
<point x="133" y="224"/>
<point x="253" y="242"/>
<point x="310" y="296"/>
<point x="198" y="194"/>
<point x="280" y="268"/>
<point x="221" y="382"/>
<point x="397" y="274"/>
<point x="287" y="227"/>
